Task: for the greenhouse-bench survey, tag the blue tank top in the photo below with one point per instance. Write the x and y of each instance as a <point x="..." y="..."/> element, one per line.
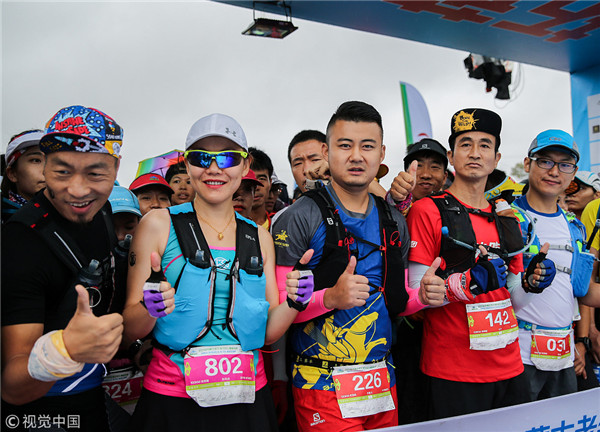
<point x="173" y="263"/>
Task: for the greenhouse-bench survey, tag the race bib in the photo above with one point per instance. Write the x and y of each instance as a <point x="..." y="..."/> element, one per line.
<point x="219" y="375"/>
<point x="551" y="349"/>
<point x="492" y="325"/>
<point x="124" y="386"/>
<point x="363" y="390"/>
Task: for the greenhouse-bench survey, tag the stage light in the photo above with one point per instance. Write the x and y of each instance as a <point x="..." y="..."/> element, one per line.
<point x="265" y="27"/>
<point x="495" y="72"/>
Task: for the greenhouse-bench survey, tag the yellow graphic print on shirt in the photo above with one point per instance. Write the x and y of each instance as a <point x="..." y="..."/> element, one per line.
<point x="351" y="343"/>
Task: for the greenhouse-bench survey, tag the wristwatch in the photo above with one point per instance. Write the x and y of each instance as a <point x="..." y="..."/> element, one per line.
<point x="587" y="343"/>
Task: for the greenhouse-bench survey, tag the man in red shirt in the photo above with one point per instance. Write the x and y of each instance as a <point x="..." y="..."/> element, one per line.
<point x="470" y="349"/>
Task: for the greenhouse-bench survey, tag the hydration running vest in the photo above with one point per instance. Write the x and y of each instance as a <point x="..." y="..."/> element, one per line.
<point x="336" y="251"/>
<point x="455" y="216"/>
<point x="35" y="215"/>
<point x="582" y="262"/>
<point x="192" y="319"/>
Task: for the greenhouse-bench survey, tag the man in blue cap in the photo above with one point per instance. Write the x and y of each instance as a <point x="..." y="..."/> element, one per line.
<point x="546" y="318"/>
<point x="58" y="285"/>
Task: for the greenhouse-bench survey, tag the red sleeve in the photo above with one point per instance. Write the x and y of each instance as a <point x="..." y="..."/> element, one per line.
<point x="425" y="227"/>
<point x="516" y="264"/>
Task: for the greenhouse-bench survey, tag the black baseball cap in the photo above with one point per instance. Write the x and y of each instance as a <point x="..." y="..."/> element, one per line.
<point x="426" y="145"/>
<point x="475" y="120"/>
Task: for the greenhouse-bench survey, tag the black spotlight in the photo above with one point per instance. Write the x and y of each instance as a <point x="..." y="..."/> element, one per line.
<point x="493" y="71"/>
<point x="265" y="27"/>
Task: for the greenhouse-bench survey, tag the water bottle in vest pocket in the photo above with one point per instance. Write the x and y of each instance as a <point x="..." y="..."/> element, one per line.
<point x="250" y="311"/>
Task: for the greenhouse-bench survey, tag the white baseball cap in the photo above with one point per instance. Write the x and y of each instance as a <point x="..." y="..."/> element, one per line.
<point x="589" y="179"/>
<point x="217" y="125"/>
<point x="20" y="143"/>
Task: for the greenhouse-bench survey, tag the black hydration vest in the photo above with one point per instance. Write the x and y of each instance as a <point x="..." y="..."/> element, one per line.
<point x="455" y="217"/>
<point x="35" y="215"/>
<point x="336" y="251"/>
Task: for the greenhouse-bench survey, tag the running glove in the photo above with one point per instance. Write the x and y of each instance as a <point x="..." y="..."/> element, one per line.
<point x="488" y="275"/>
<point x="548" y="272"/>
<point x="153" y="299"/>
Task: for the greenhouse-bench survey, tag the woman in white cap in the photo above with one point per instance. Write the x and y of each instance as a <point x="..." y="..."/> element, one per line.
<point x="219" y="303"/>
<point x="24" y="174"/>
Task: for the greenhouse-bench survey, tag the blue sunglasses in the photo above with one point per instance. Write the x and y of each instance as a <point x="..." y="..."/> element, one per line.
<point x="224" y="159"/>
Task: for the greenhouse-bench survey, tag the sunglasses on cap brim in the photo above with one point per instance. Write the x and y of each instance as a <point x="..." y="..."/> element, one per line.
<point x="224" y="159"/>
<point x="573" y="187"/>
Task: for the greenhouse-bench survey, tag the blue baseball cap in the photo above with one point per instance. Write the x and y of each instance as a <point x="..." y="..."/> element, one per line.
<point x="122" y="200"/>
<point x="557" y="139"/>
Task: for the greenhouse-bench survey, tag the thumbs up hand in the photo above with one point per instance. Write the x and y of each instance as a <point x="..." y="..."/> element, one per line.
<point x="349" y="291"/>
<point x="92" y="339"/>
<point x="540" y="272"/>
<point x="300" y="283"/>
<point x="158" y="293"/>
<point x="432" y="289"/>
<point x="487" y="275"/>
<point x="404" y="183"/>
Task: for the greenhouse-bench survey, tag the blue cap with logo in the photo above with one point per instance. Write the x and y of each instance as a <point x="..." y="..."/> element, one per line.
<point x="554" y="139"/>
<point x="122" y="200"/>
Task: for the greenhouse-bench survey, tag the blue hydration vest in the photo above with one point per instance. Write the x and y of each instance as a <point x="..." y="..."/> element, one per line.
<point x="582" y="261"/>
<point x="193" y="315"/>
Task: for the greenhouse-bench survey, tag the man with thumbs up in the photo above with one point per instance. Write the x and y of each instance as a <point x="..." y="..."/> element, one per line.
<point x="470" y="351"/>
<point x="425" y="171"/>
<point x="546" y="311"/>
<point x="58" y="281"/>
<point x="343" y="333"/>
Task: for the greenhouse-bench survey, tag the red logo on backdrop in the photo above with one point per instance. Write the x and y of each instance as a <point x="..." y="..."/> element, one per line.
<point x="548" y="19"/>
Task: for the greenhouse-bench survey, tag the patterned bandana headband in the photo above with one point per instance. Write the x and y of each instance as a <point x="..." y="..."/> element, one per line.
<point x="77" y="128"/>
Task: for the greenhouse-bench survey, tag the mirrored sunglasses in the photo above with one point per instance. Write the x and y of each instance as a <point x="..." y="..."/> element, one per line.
<point x="224" y="159"/>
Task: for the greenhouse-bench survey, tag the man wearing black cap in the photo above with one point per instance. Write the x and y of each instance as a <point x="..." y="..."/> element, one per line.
<point x="430" y="175"/>
<point x="473" y="363"/>
<point x="432" y="169"/>
<point x="58" y="281"/>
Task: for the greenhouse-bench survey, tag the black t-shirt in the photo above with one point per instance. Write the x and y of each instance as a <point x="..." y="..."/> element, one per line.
<point x="37" y="287"/>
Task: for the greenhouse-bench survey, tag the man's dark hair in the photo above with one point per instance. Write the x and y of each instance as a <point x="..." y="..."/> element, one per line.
<point x="305" y="135"/>
<point x="355" y="111"/>
<point x="178" y="168"/>
<point x="260" y="160"/>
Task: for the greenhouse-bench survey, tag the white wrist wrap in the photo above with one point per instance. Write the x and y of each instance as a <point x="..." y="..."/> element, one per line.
<point x="49" y="359"/>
